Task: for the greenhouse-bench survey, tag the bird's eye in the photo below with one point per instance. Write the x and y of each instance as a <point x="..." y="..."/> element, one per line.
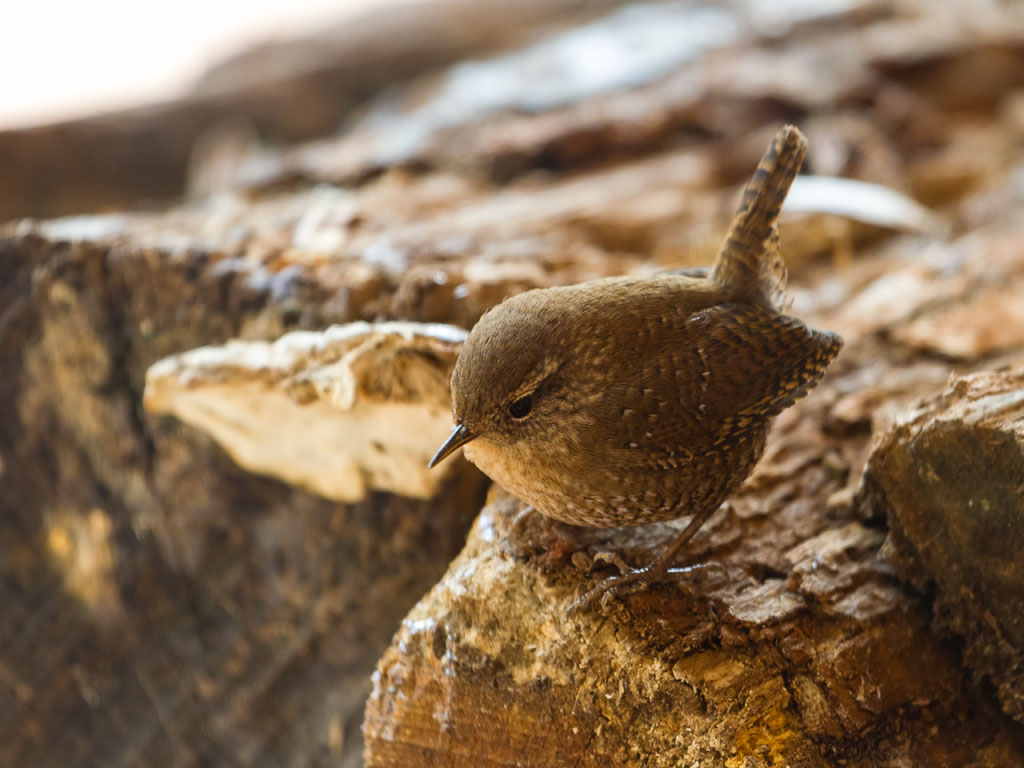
<point x="521" y="408"/>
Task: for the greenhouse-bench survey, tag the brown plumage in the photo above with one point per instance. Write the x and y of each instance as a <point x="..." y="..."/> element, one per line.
<point x="636" y="399"/>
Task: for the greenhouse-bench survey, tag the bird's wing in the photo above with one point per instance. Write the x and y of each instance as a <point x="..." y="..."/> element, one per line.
<point x="730" y="368"/>
<point x="762" y="362"/>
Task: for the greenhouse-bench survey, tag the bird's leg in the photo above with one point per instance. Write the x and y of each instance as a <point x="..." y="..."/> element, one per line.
<point x="631" y="580"/>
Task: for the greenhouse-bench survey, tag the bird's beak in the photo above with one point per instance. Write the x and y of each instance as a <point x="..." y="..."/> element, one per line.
<point x="459" y="437"/>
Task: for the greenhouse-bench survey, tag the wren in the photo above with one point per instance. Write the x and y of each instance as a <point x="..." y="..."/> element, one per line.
<point x="632" y="400"/>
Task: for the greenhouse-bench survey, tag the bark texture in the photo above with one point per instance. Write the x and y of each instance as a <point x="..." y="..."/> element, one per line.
<point x="161" y="605"/>
<point x="950" y="478"/>
<point x="795" y="645"/>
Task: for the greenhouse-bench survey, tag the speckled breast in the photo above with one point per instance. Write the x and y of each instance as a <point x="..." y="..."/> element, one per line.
<point x="627" y="493"/>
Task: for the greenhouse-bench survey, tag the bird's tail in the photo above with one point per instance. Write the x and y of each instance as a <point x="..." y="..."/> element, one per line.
<point x="749" y="266"/>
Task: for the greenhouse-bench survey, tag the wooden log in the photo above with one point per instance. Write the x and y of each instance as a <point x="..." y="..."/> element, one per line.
<point x="950" y="479"/>
<point x="796" y="646"/>
<point x="162" y="606"/>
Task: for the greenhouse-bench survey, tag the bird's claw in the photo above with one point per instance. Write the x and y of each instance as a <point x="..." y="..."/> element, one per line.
<point x="615" y="559"/>
<point x="632" y="580"/>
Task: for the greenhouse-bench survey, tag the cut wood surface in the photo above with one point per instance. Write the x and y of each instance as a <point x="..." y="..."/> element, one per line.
<point x="164" y="606"/>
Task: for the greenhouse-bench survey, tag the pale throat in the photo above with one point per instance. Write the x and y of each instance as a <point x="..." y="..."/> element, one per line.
<point x="514" y="468"/>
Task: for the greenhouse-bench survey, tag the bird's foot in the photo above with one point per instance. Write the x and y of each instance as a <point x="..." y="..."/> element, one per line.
<point x="633" y="580"/>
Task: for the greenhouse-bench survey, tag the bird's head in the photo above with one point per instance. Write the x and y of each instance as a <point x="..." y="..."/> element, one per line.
<point x="508" y="385"/>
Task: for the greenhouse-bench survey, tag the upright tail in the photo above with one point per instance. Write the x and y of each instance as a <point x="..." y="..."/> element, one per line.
<point x="749" y="266"/>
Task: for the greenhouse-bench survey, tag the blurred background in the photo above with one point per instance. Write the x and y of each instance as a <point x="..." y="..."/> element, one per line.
<point x="108" y="106"/>
<point x="67" y="60"/>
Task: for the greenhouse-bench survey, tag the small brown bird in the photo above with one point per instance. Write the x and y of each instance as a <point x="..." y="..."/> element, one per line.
<point x="631" y="400"/>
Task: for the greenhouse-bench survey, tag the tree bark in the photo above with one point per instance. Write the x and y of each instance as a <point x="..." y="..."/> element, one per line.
<point x="950" y="478"/>
<point x="796" y="644"/>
